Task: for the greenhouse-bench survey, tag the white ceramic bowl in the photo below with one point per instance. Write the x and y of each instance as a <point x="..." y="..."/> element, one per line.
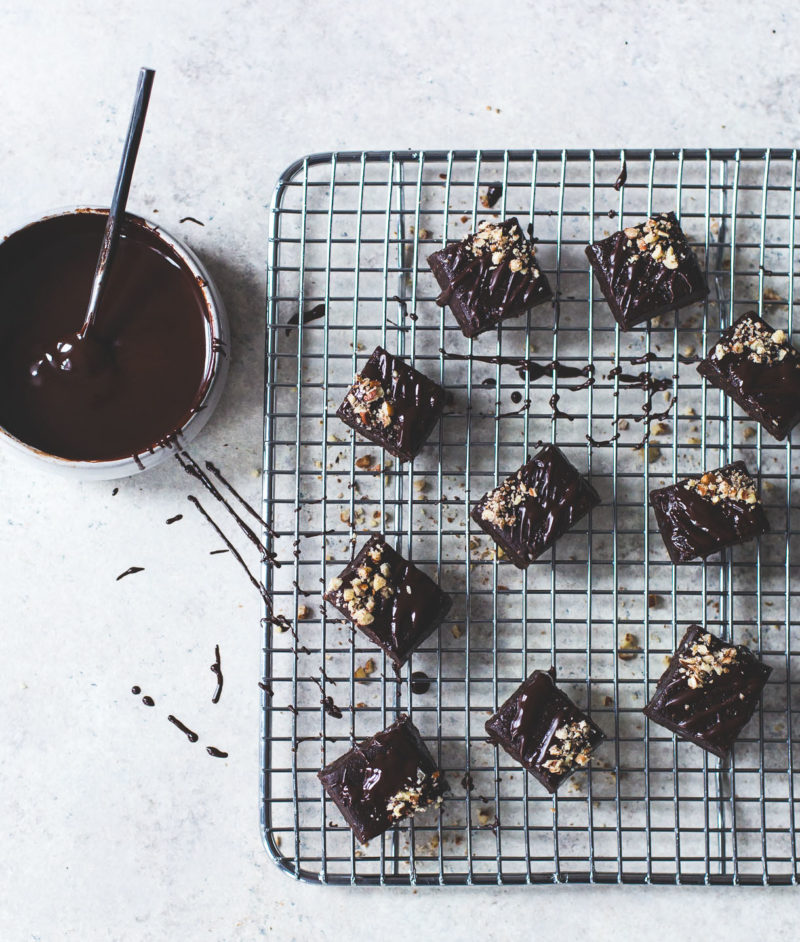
<point x="216" y="371"/>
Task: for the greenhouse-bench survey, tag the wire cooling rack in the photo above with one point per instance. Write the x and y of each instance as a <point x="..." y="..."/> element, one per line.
<point x="351" y="232"/>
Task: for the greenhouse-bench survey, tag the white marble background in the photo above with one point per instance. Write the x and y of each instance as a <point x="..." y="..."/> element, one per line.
<point x="111" y="825"/>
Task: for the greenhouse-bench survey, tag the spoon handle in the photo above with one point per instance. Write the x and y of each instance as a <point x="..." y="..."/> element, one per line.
<point x="120" y="199"/>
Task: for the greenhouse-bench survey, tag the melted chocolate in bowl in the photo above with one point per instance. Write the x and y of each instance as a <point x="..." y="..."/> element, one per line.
<point x="146" y="365"/>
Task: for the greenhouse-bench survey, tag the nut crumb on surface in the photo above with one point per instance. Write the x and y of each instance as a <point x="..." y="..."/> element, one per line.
<point x="628" y="648"/>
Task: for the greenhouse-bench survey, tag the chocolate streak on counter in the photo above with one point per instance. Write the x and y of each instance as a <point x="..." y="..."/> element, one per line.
<point x="192" y="468"/>
<point x="191" y="219"/>
<point x="622" y="179"/>
<point x="279" y="621"/>
<point x="174" y="519"/>
<point x="216" y="668"/>
<point x="210" y="466"/>
<point x="217" y="552"/>
<point x="115" y="492"/>
<point x="129" y="572"/>
<point x="216" y="753"/>
<point x="312" y="314"/>
<point x="190" y="734"/>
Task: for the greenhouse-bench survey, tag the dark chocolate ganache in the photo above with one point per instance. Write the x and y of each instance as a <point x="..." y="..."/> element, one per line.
<point x="142" y="369"/>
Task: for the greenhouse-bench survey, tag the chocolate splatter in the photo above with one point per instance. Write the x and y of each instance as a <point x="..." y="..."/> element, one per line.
<point x="216" y="668"/>
<point x="190" y="734"/>
<point x="129" y="572"/>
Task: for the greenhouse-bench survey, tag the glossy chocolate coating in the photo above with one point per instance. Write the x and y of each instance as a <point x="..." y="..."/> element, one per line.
<point x="640" y="289"/>
<point x="526" y="724"/>
<point x="479" y="295"/>
<point x="768" y="392"/>
<point x="414" y="610"/>
<point x="417" y="402"/>
<point x="562" y="498"/>
<point x="364" y="780"/>
<point x="713" y="714"/>
<point x="692" y="526"/>
<point x="139" y="375"/>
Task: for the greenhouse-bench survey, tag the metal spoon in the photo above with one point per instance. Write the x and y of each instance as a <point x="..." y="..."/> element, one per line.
<point x="120" y="199"/>
<point x="81" y="352"/>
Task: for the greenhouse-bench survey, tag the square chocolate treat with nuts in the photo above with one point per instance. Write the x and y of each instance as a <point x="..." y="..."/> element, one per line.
<point x="393" y="405"/>
<point x="759" y="369"/>
<point x="396" y="605"/>
<point x="530" y="510"/>
<point x="709" y="691"/>
<point x="383" y="780"/>
<point x="706" y="514"/>
<point x="544" y="730"/>
<point x="647" y="270"/>
<point x="489" y="276"/>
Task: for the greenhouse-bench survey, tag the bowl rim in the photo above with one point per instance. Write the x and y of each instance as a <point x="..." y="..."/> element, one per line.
<point x="216" y="355"/>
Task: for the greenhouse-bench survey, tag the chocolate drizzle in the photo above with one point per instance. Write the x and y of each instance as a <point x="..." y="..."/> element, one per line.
<point x="533" y="369"/>
<point x="192" y="468"/>
<point x="216" y="668"/>
<point x="132" y="570"/>
<point x="190" y="734"/>
<point x="216" y="753"/>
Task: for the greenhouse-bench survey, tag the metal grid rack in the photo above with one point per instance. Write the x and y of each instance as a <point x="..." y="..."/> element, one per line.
<point x="352" y="231"/>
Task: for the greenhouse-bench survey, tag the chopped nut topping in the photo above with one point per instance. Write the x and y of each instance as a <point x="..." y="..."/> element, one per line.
<point x="368" y="585"/>
<point x="628" y="648"/>
<point x="504" y="246"/>
<point x="571" y="746"/>
<point x="703" y="664"/>
<point x="660" y="238"/>
<point x="754" y="338"/>
<point x="368" y="400"/>
<point x="413" y="798"/>
<point x="725" y="484"/>
<point x="501" y="503"/>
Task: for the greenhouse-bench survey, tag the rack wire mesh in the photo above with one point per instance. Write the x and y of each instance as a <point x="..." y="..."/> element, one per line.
<point x="351" y="231"/>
